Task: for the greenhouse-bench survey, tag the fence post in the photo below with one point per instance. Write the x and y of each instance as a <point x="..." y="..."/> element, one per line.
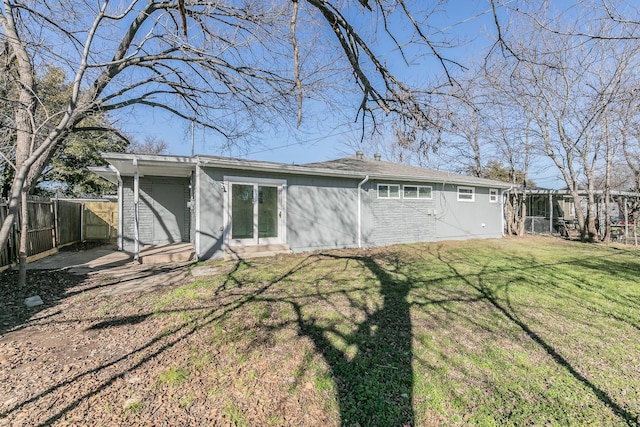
<point x="52" y="209"/>
<point x="56" y="218"/>
<point x="82" y="222"/>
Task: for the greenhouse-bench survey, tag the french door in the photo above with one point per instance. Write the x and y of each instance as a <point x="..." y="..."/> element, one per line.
<point x="255" y="213"/>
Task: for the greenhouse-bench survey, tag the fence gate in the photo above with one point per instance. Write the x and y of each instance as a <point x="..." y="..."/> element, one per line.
<point x="100" y="221"/>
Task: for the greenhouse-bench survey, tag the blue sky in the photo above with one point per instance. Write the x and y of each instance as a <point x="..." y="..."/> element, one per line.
<point x="323" y="135"/>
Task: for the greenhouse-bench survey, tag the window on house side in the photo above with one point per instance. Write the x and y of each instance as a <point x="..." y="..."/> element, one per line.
<point x="493" y="195"/>
<point x="466" y="194"/>
<point x="388" y="191"/>
<point x="424" y="192"/>
<point x="416" y="192"/>
<point x="410" y="192"/>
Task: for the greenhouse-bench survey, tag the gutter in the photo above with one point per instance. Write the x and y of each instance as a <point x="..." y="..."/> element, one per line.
<point x="360" y="184"/>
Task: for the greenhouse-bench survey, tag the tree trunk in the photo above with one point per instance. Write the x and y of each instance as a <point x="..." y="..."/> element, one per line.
<point x="607" y="215"/>
<point x="591" y="234"/>
<point x="512" y="213"/>
<point x="523" y="215"/>
<point x="22" y="253"/>
<point x="577" y="207"/>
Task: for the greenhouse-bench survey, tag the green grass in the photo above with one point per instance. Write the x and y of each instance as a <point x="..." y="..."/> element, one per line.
<point x="235" y="415"/>
<point x="496" y="332"/>
<point x="173" y="376"/>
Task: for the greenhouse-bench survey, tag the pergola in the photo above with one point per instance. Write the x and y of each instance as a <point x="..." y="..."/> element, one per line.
<point x="556" y="206"/>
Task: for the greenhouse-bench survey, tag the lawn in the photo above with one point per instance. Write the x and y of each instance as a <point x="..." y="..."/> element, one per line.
<point x="496" y="332"/>
<point x="507" y="332"/>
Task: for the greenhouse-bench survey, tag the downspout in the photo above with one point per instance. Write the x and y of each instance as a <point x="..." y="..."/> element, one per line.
<point x="136" y="218"/>
<point x="366" y="178"/>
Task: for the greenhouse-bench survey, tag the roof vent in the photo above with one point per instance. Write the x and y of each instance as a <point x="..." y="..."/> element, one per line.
<point x="377" y="156"/>
<point x="359" y="155"/>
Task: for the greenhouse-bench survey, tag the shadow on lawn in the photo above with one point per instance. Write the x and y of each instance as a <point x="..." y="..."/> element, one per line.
<point x="52" y="286"/>
<point x="375" y="383"/>
<point x="489" y="294"/>
<point x="375" y="387"/>
<point x="154" y="347"/>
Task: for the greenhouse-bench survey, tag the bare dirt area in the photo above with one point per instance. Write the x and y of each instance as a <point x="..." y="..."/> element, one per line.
<point x="76" y="359"/>
<point x="106" y="349"/>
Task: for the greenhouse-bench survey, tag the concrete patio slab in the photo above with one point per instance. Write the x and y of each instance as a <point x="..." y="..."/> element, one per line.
<point x="94" y="259"/>
<point x="115" y="271"/>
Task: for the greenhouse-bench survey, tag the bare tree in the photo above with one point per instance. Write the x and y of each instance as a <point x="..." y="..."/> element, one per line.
<point x="150" y="145"/>
<point x="464" y="129"/>
<point x="225" y="65"/>
<point x="566" y="86"/>
<point x="628" y="129"/>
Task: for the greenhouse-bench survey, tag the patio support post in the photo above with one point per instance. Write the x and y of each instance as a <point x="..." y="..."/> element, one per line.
<point x="626" y="221"/>
<point x="196" y="196"/>
<point x="366" y="178"/>
<point x="136" y="218"/>
<point x="120" y="212"/>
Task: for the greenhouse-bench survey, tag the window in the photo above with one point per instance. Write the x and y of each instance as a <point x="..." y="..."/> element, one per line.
<point x="466" y="194"/>
<point x="493" y="195"/>
<point x="388" y="191"/>
<point x="416" y="192"/>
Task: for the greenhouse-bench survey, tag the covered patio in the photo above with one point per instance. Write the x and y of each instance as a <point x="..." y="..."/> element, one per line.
<point x="553" y="211"/>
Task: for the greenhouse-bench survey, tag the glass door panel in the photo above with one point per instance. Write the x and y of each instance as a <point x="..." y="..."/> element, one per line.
<point x="242" y="211"/>
<point x="267" y="212"/>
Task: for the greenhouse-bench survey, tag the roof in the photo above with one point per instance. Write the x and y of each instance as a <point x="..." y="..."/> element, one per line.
<point x="390" y="171"/>
<point x="127" y="164"/>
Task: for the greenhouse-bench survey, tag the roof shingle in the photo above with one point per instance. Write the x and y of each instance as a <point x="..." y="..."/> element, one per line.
<point x="388" y="170"/>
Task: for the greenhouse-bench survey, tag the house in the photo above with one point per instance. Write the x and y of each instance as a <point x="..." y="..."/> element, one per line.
<point x="226" y="205"/>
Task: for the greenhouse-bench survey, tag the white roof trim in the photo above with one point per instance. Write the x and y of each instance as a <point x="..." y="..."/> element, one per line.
<point x="183" y="165"/>
<point x="108" y="172"/>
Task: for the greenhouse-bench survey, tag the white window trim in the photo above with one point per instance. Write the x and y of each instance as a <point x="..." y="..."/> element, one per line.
<point x="418" y="187"/>
<point x="389" y="193"/>
<point x="493" y="195"/>
<point x="473" y="194"/>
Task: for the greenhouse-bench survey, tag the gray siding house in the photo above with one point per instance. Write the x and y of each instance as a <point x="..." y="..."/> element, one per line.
<point x="225" y="205"/>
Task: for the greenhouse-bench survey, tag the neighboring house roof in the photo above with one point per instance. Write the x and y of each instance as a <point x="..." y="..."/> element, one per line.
<point x="349" y="167"/>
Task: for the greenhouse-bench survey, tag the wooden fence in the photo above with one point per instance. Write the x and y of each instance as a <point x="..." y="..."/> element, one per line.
<point x="9" y="253"/>
<point x="41" y="236"/>
<point x="100" y="220"/>
<point x="54" y="223"/>
<point x="68" y="219"/>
